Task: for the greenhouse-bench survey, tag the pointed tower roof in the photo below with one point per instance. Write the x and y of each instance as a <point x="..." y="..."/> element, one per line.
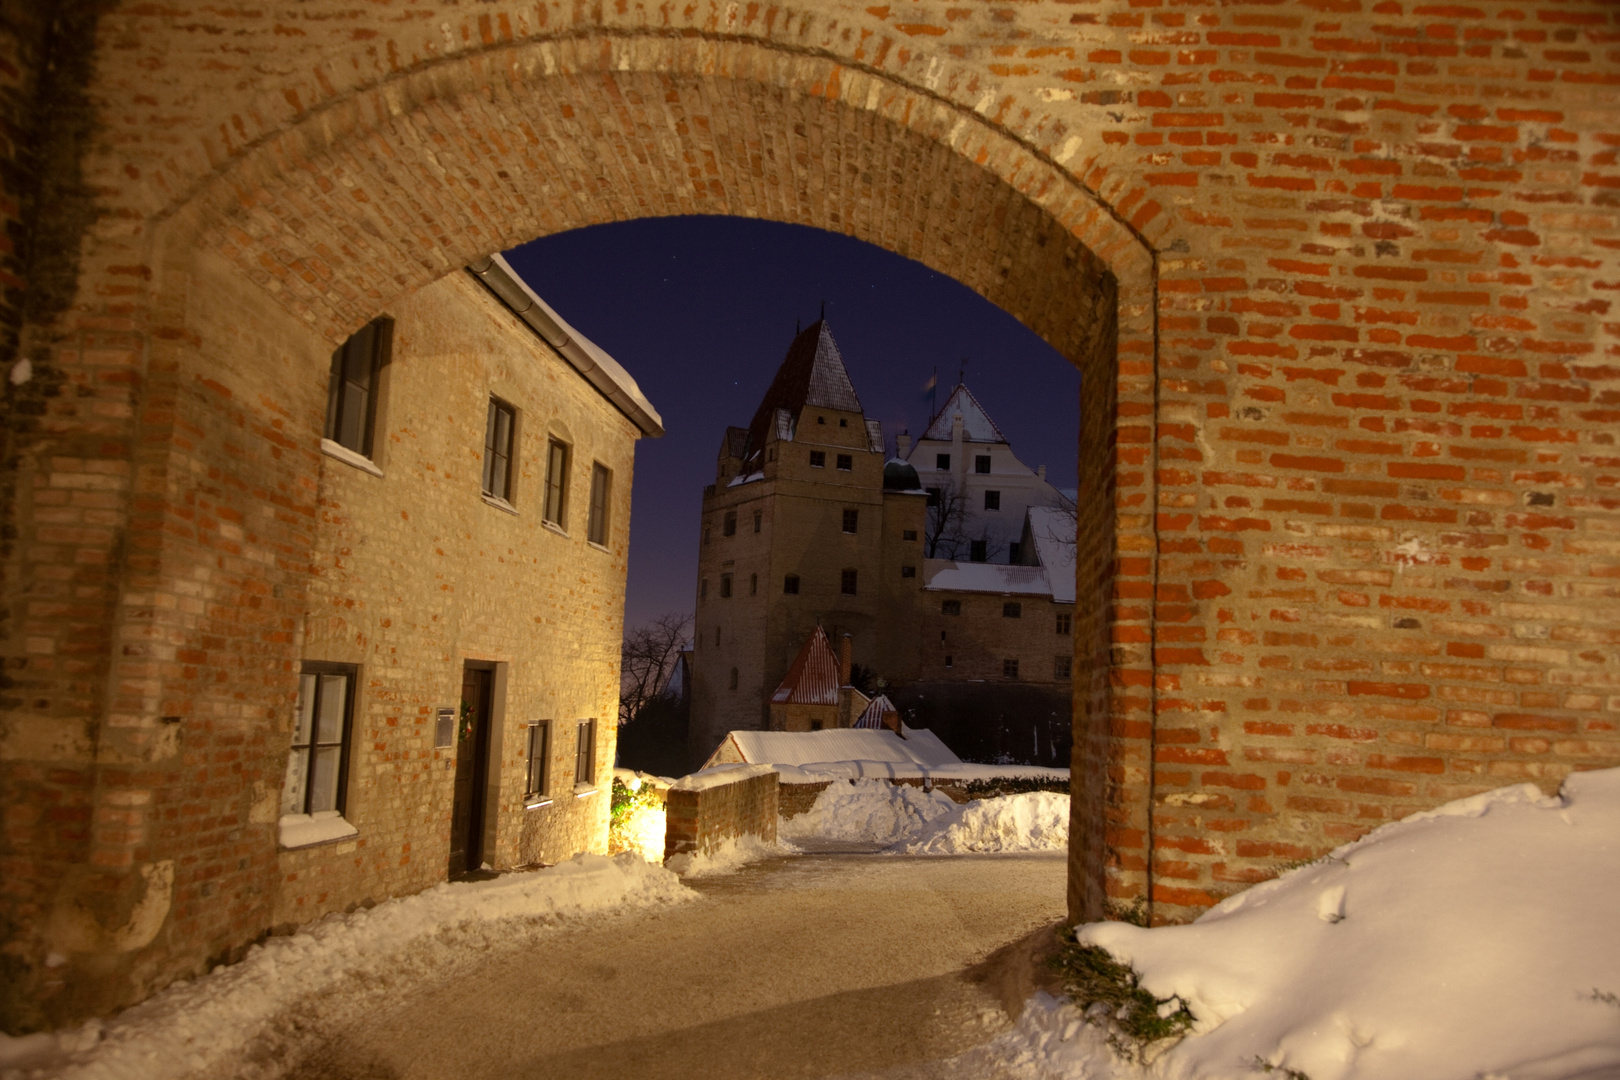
<point x="812" y="373"/>
<point x="879" y="707"/>
<point x="812" y="678"/>
<point x="976" y="423"/>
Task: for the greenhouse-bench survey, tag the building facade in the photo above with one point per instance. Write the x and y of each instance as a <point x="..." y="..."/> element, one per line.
<point x="808" y="532"/>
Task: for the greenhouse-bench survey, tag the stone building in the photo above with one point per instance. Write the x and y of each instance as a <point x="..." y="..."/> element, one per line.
<point x="1337" y="276"/>
<point x="809" y="534"/>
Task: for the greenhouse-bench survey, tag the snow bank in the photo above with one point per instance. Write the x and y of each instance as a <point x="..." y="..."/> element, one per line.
<point x="1476" y="940"/>
<point x="730" y="856"/>
<point x="958" y="773"/>
<point x="719" y="776"/>
<point x="916" y="822"/>
<point x="206" y="1023"/>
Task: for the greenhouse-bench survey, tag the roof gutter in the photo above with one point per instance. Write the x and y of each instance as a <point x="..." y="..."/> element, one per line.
<point x="582" y="354"/>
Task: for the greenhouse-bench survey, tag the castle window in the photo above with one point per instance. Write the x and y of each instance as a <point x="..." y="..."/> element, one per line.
<point x="842" y="422"/>
<point x="351" y="392"/>
<point x="908" y="534"/>
<point x="557" y="484"/>
<point x="977" y="550"/>
<point x="734" y="678"/>
<point x="717" y="635"/>
<point x="725" y="586"/>
<point x="821" y="419"/>
<point x="852" y="520"/>
<point x="992" y="500"/>
<point x="538" y="777"/>
<point x="1064" y="622"/>
<point x="703" y="589"/>
<point x="1009" y="669"/>
<point x="596" y="528"/>
<point x="948" y="660"/>
<point x="981" y="464"/>
<point x="1012" y="609"/>
<point x="728" y="525"/>
<point x="846" y="462"/>
<point x="950" y="607"/>
<point x="908" y="571"/>
<point x="818" y="459"/>
<point x="790" y="585"/>
<point x="1062" y="667"/>
<point x="498" y="440"/>
<point x="847" y="583"/>
<point x="942" y="461"/>
<point x="759" y="519"/>
<point x="753" y="584"/>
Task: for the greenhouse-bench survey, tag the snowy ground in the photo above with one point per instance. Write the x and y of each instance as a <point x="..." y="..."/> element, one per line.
<point x="1477" y="941"/>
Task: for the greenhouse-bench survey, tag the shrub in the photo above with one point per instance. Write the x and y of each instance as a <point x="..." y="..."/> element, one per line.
<point x="1110" y="993"/>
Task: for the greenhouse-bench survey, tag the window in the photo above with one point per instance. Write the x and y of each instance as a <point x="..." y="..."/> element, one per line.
<point x="815" y="725"/>
<point x="557" y="484"/>
<point x="942" y="461"/>
<point x="759" y="519"/>
<point x="847" y="583"/>
<point x="852" y="521"/>
<point x="753" y="584"/>
<point x="703" y="589"/>
<point x="1012" y="552"/>
<point x="992" y="500"/>
<point x="717" y="635"/>
<point x="843" y="421"/>
<point x="317" y="766"/>
<point x="498" y="449"/>
<point x="950" y="607"/>
<point x="1064" y="622"/>
<point x="933" y="496"/>
<point x="1062" y="666"/>
<point x="908" y="534"/>
<point x="728" y="526"/>
<point x="539" y="776"/>
<point x="818" y="459"/>
<point x="790" y="585"/>
<point x="596" y="529"/>
<point x="908" y="571"/>
<point x="725" y="586"/>
<point x="734" y="678"/>
<point x="977" y="550"/>
<point x="351" y="392"/>
<point x="981" y="464"/>
<point x="585" y="756"/>
<point x="821" y="419"/>
<point x="846" y="462"/>
<point x="1012" y="609"/>
<point x="1009" y="669"/>
<point x="948" y="660"/>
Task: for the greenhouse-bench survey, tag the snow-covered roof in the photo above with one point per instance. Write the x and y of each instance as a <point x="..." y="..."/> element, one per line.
<point x="945" y="575"/>
<point x="876" y="710"/>
<point x="799" y="748"/>
<point x="976" y="423"/>
<point x="874" y="436"/>
<point x="812" y="374"/>
<point x="1052" y="529"/>
<point x="812" y="678"/>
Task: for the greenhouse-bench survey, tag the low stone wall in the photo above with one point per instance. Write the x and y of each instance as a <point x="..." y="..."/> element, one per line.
<point x="795" y="799"/>
<point x="704" y="810"/>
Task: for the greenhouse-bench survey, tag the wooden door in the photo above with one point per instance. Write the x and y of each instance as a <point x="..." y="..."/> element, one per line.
<point x="472" y="772"/>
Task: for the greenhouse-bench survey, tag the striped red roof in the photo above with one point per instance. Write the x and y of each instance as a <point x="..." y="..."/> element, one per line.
<point x="812" y="678"/>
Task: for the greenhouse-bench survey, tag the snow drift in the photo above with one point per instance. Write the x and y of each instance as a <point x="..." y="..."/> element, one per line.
<point x="912" y="821"/>
<point x="1476" y="940"/>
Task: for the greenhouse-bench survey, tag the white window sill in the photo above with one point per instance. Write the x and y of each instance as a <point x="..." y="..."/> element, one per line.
<point x="349" y="457"/>
<point x="309" y="830"/>
<point x="556" y="528"/>
<point x="582" y="790"/>
<point x="499" y="503"/>
<point x="535" y="802"/>
<point x="599" y="547"/>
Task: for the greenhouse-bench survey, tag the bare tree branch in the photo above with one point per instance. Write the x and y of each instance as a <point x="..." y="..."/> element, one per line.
<point x="649" y="656"/>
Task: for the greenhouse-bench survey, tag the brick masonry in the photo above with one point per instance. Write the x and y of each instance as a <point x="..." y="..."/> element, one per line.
<point x="700" y="822"/>
<point x="1350" y="383"/>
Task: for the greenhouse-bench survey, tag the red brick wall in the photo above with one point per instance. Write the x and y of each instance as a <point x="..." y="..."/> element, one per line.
<point x="699" y="822"/>
<point x="1359" y="436"/>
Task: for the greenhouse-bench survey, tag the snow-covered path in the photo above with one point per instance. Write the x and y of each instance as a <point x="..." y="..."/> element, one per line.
<point x="811" y="966"/>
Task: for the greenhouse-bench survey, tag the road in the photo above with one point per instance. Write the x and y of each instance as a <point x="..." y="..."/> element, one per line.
<point x="809" y="966"/>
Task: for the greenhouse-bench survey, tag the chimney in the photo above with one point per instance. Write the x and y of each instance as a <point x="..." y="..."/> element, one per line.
<point x="844" y="660"/>
<point x="902" y="445"/>
<point x="891" y="720"/>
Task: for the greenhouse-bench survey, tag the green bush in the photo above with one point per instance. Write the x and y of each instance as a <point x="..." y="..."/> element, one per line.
<point x="622" y="804"/>
<point x="1136" y="1019"/>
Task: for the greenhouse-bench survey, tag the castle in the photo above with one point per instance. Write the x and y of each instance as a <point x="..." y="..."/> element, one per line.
<point x="946" y="570"/>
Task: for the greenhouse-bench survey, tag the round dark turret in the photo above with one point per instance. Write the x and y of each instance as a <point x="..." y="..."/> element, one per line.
<point x="900" y="476"/>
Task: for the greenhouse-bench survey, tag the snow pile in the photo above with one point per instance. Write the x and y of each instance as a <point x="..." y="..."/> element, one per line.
<point x="1033" y="821"/>
<point x="912" y="821"/>
<point x="205" y="1024"/>
<point x="730" y="856"/>
<point x="1476" y="940"/>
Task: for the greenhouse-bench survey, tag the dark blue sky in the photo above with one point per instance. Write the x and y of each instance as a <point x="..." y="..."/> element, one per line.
<point x="701" y="310"/>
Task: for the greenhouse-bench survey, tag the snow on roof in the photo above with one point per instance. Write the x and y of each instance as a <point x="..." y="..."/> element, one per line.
<point x="812" y="678"/>
<point x="798" y="748"/>
<point x="976" y="423"/>
<point x="876" y="710"/>
<point x="874" y="435"/>
<point x="945" y="575"/>
<point x="719" y="776"/>
<point x="812" y="374"/>
<point x="1052" y="529"/>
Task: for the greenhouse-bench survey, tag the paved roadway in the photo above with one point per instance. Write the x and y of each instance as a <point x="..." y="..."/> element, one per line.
<point x="812" y="966"/>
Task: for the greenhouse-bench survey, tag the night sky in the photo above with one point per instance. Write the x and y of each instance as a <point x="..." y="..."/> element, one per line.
<point x="701" y="310"/>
